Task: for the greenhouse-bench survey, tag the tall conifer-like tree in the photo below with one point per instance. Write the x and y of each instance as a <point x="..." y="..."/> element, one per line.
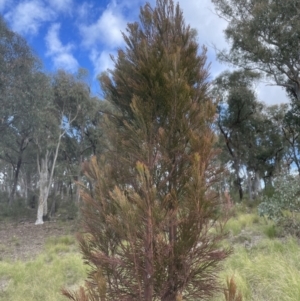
<point x="147" y="226"/>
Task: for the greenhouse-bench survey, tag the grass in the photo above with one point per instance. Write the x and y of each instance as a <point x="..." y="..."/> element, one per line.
<point x="268" y="271"/>
<point x="265" y="267"/>
<point x="240" y="222"/>
<point x="60" y="265"/>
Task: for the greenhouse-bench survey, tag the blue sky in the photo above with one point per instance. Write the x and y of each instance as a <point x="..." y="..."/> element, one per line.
<point x="70" y="34"/>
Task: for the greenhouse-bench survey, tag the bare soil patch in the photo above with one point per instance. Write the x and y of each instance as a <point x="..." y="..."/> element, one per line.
<point x="24" y="240"/>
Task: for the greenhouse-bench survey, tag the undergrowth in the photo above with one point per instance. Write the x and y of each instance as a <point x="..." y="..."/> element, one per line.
<point x="59" y="265"/>
<point x="269" y="271"/>
<point x="265" y="265"/>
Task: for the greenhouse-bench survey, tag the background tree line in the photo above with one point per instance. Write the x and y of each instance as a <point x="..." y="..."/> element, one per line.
<point x="50" y="123"/>
<point x="49" y="126"/>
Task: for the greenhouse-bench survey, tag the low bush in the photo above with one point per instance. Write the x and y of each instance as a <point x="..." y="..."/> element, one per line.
<point x="286" y="197"/>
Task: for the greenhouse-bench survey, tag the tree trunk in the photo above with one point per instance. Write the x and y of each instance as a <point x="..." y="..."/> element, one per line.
<point x="15" y="182"/>
<point x="42" y="204"/>
<point x="45" y="183"/>
<point x="238" y="180"/>
<point x="249" y="180"/>
<point x="25" y="189"/>
<point x="170" y="297"/>
<point x="149" y="254"/>
<point x="77" y="188"/>
<point x="61" y="189"/>
<point x="256" y="185"/>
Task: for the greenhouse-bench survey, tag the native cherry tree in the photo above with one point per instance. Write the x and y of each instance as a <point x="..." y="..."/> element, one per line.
<point x="148" y="223"/>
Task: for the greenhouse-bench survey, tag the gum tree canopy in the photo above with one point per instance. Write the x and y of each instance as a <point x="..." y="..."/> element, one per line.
<point x="147" y="225"/>
<point x="264" y="35"/>
<point x="19" y="100"/>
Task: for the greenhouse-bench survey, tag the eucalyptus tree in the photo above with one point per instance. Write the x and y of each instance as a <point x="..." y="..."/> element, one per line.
<point x="147" y="225"/>
<point x="264" y="35"/>
<point x="19" y="99"/>
<point x="291" y="128"/>
<point x="28" y="179"/>
<point x="84" y="133"/>
<point x="251" y="132"/>
<point x="269" y="153"/>
<point x="17" y="63"/>
<point x="237" y="107"/>
<point x="67" y="97"/>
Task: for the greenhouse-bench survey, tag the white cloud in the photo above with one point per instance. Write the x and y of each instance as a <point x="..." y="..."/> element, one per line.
<point x="60" y="54"/>
<point x="201" y="16"/>
<point x="271" y="95"/>
<point x="28" y="16"/>
<point x="65" y="61"/>
<point x="84" y="10"/>
<point x="106" y="30"/>
<point x="101" y="61"/>
<point x="61" y="5"/>
<point x="102" y="37"/>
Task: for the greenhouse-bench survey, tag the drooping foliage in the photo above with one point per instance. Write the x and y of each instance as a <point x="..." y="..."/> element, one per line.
<point x="264" y="35"/>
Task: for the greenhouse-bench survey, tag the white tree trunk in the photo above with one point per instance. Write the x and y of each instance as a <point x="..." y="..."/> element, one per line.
<point x="43" y="185"/>
<point x="45" y="181"/>
<point x="257" y="185"/>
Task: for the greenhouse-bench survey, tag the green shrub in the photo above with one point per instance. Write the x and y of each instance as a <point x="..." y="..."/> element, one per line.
<point x="270" y="231"/>
<point x="286" y="197"/>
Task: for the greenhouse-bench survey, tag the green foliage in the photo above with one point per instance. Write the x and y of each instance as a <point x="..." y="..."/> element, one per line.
<point x="18" y="210"/>
<point x="248" y="131"/>
<point x="237" y="109"/>
<point x="270" y="231"/>
<point x="262" y="37"/>
<point x="44" y="118"/>
<point x="286" y="196"/>
<point x="261" y="34"/>
<point x="23" y="94"/>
